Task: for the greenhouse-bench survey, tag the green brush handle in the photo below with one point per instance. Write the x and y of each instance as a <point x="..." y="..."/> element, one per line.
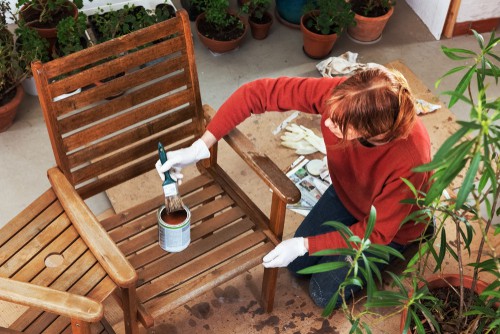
<point x="163" y="159"/>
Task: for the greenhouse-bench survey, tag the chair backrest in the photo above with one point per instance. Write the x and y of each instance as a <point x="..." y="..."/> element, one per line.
<point x="100" y="141"/>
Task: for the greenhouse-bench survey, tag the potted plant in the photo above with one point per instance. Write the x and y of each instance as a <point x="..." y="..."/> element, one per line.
<point x="322" y="22"/>
<point x="470" y="159"/>
<point x="218" y="29"/>
<point x="371" y="17"/>
<point x="259" y="18"/>
<point x="11" y="73"/>
<point x="30" y="46"/>
<point x="44" y="15"/>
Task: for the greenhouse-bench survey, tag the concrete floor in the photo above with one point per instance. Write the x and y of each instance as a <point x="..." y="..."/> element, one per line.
<point x="26" y="155"/>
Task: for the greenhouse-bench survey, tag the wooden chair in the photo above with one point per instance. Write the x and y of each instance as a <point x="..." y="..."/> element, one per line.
<point x="51" y="255"/>
<point x="100" y="142"/>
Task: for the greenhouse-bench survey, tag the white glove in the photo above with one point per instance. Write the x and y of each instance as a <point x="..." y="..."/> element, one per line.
<point x="303" y="140"/>
<point x="283" y="254"/>
<point x="178" y="159"/>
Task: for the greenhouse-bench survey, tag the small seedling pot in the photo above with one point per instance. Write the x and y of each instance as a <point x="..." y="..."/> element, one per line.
<point x="174" y="229"/>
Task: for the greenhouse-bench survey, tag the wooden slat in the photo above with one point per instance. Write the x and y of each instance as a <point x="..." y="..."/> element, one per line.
<point x="122" y="121"/>
<point x="196" y="249"/>
<point x="199" y="266"/>
<point x="24" y="235"/>
<point x="35" y="245"/>
<point x="97" y="112"/>
<point x="113" y="47"/>
<point x="63" y="282"/>
<point x="37" y="264"/>
<point x="127" y="154"/>
<point x="163" y="304"/>
<point x="199" y="231"/>
<point x="26" y="216"/>
<point x="113" y="66"/>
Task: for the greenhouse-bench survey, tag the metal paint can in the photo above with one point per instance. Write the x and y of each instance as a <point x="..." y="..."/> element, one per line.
<point x="174" y="237"/>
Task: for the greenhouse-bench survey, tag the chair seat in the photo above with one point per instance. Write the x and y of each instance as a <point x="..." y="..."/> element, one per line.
<point x="40" y="246"/>
<point x="229" y="234"/>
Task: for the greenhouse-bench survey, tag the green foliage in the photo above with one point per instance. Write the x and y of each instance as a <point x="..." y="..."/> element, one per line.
<point x="217" y="14"/>
<point x="11" y="72"/>
<point x="369" y="6"/>
<point x="48" y="11"/>
<point x="71" y="34"/>
<point x="30" y="47"/>
<point x="114" y="23"/>
<point x="256" y="8"/>
<point x="332" y="16"/>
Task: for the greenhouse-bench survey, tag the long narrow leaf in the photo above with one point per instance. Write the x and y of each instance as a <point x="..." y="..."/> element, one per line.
<point x="371" y="222"/>
<point x="462" y="86"/>
<point x="468" y="181"/>
<point x="322" y="267"/>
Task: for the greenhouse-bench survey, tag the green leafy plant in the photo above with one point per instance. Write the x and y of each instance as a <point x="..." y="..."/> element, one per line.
<point x="45" y="13"/>
<point x="11" y="72"/>
<point x="256" y="9"/>
<point x="111" y="23"/>
<point x="71" y="36"/>
<point x="469" y="160"/>
<point x="329" y="16"/>
<point x="372" y="8"/>
<point x="30" y="47"/>
<point x="217" y="14"/>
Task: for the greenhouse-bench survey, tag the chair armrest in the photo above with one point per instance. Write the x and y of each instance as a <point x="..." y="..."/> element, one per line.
<point x="50" y="300"/>
<point x="97" y="239"/>
<point x="265" y="168"/>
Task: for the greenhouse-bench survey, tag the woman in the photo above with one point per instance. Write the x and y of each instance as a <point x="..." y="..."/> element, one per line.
<point x="373" y="140"/>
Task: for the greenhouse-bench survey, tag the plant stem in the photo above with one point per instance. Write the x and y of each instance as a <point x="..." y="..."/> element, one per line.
<point x="460" y="271"/>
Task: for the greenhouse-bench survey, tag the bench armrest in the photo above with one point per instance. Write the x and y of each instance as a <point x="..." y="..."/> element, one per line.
<point x="265" y="168"/>
<point x="97" y="239"/>
<point x="50" y="300"/>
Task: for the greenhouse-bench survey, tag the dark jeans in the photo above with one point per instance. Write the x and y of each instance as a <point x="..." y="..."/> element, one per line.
<point x="322" y="286"/>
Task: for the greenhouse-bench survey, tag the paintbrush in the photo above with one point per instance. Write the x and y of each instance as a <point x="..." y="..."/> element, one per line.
<point x="173" y="201"/>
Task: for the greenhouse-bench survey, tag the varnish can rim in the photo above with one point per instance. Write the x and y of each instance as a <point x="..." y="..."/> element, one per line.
<point x="176" y="226"/>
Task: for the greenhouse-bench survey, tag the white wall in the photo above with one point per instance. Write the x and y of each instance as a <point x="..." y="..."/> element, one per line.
<point x="433" y="13"/>
<point x="475" y="10"/>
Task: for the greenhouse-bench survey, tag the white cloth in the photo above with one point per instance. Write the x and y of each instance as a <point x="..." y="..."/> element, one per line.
<point x="343" y="65"/>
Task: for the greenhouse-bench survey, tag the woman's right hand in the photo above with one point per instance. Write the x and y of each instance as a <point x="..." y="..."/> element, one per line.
<point x="183" y="157"/>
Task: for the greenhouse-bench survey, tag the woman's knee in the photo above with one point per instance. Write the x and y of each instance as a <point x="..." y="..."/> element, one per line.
<point x="322" y="287"/>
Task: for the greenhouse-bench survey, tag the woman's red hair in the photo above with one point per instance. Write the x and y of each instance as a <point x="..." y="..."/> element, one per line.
<point x="374" y="102"/>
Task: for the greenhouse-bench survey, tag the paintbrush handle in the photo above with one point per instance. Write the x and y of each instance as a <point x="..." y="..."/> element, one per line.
<point x="163" y="159"/>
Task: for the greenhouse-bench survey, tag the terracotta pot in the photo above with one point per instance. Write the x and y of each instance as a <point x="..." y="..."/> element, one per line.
<point x="442" y="281"/>
<point x="368" y="29"/>
<point x="261" y="30"/>
<point x="8" y="111"/>
<point x="215" y="45"/>
<point x="316" y="46"/>
<point x="50" y="34"/>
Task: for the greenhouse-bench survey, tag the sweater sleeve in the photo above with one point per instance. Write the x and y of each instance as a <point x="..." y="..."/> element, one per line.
<point x="280" y="94"/>
<point x="390" y="214"/>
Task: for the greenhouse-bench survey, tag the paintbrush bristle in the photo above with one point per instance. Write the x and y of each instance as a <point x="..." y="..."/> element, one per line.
<point x="173" y="203"/>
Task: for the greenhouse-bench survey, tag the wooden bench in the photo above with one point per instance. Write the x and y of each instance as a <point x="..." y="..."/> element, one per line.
<point x="100" y="142"/>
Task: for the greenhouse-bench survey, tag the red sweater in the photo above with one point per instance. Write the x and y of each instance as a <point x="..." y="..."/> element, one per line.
<point x="362" y="176"/>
